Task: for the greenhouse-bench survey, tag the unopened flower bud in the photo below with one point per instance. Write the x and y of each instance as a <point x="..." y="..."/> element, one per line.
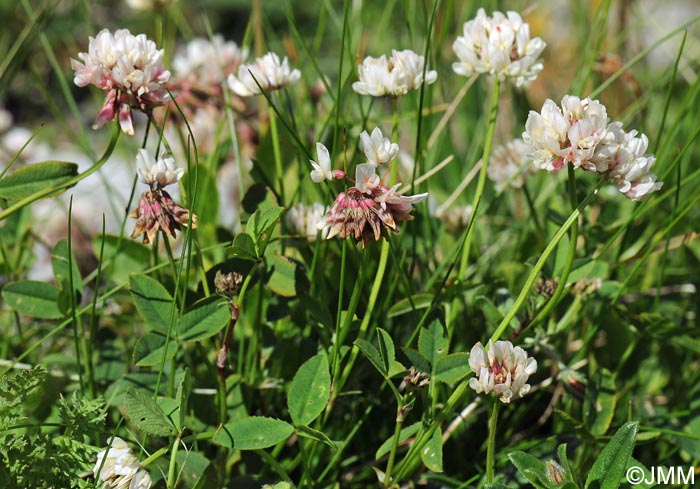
<point x="555" y="472"/>
<point x="416" y="379"/>
<point x="228" y="284"/>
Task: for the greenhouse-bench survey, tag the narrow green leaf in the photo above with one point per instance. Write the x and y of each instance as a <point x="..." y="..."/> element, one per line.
<point x="309" y="390"/>
<point x="206" y="202"/>
<point x="403" y="306"/>
<point x="452" y="368"/>
<point x="62" y="269"/>
<point x="153" y="301"/>
<point x="432" y="342"/>
<point x="145" y="413"/>
<point x="609" y="468"/>
<point x="204" y="319"/>
<point x="253" y="433"/>
<point x="372" y="355"/>
<point x="386" y="349"/>
<point x="182" y="395"/>
<point x="33" y="299"/>
<point x="431" y="453"/>
<point x="30" y="179"/>
<point x="315" y="435"/>
<point x="531" y="468"/>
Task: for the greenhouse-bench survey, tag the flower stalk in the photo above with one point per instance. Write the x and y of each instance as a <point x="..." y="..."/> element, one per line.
<point x="491" y="445"/>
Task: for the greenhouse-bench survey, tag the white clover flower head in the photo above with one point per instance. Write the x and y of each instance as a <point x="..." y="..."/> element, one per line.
<point x="303" y="220"/>
<point x="322" y="170"/>
<point x="394" y="76"/>
<point x="377" y="148"/>
<point x="510" y="165"/>
<point x="267" y="72"/>
<point x="119" y="468"/>
<point x="203" y="60"/>
<point x="160" y="173"/>
<point x="499" y="45"/>
<point x="571" y="134"/>
<point x="503" y="370"/>
<point x="130" y="68"/>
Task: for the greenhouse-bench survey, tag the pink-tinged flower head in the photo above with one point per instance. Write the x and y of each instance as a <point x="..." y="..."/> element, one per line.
<point x="394" y="76"/>
<point x="158" y="212"/>
<point x="499" y="45"/>
<point x="202" y="61"/>
<point x="119" y="468"/>
<point x="368" y="210"/>
<point x="571" y="134"/>
<point x="503" y="370"/>
<point x="129" y="67"/>
<point x="267" y="72"/>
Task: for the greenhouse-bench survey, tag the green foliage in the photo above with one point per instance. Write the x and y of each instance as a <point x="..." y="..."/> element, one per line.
<point x="28" y="180"/>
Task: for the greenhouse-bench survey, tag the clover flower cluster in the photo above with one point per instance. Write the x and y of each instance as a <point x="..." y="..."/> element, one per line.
<point x="393" y="76"/>
<point x="367" y="210"/>
<point x="503" y="370"/>
<point x="266" y="73"/>
<point x="499" y="45"/>
<point x="130" y="68"/>
<point x="581" y="134"/>
<point x="118" y="467"/>
<point x="157" y="211"/>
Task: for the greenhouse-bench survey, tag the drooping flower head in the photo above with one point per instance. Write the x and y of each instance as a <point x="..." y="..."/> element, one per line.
<point x="157" y="211"/>
<point x="499" y="45"/>
<point x="119" y="468"/>
<point x="130" y="68"/>
<point x="368" y="210"/>
<point x="510" y="165"/>
<point x="503" y="370"/>
<point x="395" y="76"/>
<point x="269" y="72"/>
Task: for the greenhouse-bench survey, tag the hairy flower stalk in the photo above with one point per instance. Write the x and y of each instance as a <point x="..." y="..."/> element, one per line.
<point x="393" y="76"/>
<point x="580" y="133"/>
<point x="157" y="211"/>
<point x="118" y="468"/>
<point x="499" y="45"/>
<point x="130" y="68"/>
<point x="503" y="370"/>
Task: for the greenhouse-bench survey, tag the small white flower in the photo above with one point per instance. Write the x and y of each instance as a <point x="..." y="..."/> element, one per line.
<point x="377" y="148"/>
<point x="119" y="468"/>
<point x="267" y="72"/>
<point x="395" y="76"/>
<point x="322" y="170"/>
<point x="504" y="370"/>
<point x="510" y="165"/>
<point x="499" y="45"/>
<point x="162" y="172"/>
<point x="303" y="220"/>
<point x="365" y="178"/>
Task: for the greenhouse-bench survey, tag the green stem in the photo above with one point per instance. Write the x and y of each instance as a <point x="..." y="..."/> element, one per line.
<point x="540" y="264"/>
<point x="276" y="152"/>
<point x="378" y="279"/>
<point x="491" y="447"/>
<point x="172" y="473"/>
<point x="394" y="443"/>
<point x="481" y="183"/>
